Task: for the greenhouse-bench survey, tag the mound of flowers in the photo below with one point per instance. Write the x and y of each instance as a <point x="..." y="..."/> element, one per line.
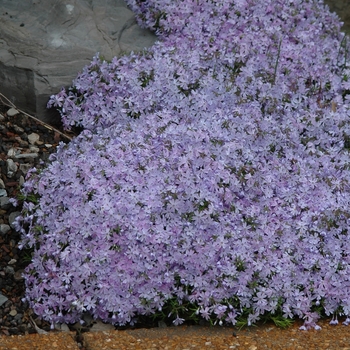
<point x="211" y="178"/>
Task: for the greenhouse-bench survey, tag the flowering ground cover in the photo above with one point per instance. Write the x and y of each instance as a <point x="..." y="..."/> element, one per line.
<point x="211" y="178"/>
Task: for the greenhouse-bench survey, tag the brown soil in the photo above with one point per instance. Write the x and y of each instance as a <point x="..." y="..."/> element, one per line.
<point x="265" y="336"/>
<point x="195" y="337"/>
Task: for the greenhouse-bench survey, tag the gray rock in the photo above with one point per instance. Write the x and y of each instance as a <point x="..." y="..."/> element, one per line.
<point x="24" y="168"/>
<point x="22" y="143"/>
<point x="3" y="193"/>
<point x="10" y="270"/>
<point x="45" y="43"/>
<point x="18" y="317"/>
<point x="34" y="149"/>
<point x="5" y="203"/>
<point x="12" y="218"/>
<point x="11" y="168"/>
<point x="3" y="299"/>
<point x="18" y="129"/>
<point x="4" y="229"/>
<point x="27" y="155"/>
<point x="62" y="327"/>
<point x="12" y="152"/>
<point x="2" y="184"/>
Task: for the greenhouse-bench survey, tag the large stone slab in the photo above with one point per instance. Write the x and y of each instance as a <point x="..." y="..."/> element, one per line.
<point x="45" y="43"/>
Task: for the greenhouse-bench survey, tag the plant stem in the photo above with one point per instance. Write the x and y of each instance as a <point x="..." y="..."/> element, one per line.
<point x="277" y="60"/>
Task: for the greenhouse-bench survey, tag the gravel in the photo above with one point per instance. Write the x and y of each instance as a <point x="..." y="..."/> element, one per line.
<point x="24" y="143"/>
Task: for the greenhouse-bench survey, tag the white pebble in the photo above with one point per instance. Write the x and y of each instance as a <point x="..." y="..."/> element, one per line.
<point x="33" y="138"/>
<point x="12" y="112"/>
<point x="11" y="152"/>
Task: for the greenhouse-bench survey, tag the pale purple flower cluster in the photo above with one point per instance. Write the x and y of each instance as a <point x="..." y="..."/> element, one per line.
<point x="213" y="168"/>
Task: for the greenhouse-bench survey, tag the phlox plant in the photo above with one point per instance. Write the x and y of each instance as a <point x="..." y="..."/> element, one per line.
<point x="211" y="178"/>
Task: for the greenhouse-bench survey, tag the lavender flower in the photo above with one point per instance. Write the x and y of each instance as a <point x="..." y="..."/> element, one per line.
<point x="212" y="169"/>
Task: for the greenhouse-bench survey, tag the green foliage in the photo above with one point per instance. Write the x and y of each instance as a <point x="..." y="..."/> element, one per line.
<point x="32" y="198"/>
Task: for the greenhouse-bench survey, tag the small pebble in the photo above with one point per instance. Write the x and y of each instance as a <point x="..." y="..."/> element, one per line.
<point x="26" y="155"/>
<point x="18" y="129"/>
<point x="13" y="313"/>
<point x="12" y="112"/>
<point x="4" y="229"/>
<point x="33" y="138"/>
<point x="3" y="299"/>
<point x="11" y="168"/>
<point x="9" y="270"/>
<point x="21" y="142"/>
<point x="34" y="149"/>
<point x="24" y="168"/>
<point x="21" y="178"/>
<point x="5" y="203"/>
<point x="12" y="217"/>
<point x="18" y="276"/>
<point x="11" y="153"/>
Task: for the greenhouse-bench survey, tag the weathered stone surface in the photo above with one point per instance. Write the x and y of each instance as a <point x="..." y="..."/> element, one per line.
<point x="45" y="43"/>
